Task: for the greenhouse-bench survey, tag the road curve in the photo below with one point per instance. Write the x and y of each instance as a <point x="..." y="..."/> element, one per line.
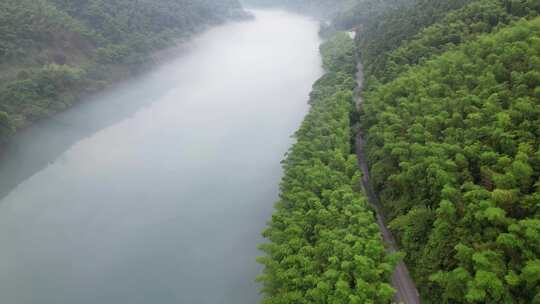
<point x="406" y="291"/>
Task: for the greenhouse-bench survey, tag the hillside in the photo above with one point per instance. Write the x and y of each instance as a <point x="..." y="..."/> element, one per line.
<point x="52" y="51"/>
<point x="454" y="154"/>
<point x="320" y="8"/>
<point x="451" y="119"/>
<point x="324" y="245"/>
<point x="396" y="44"/>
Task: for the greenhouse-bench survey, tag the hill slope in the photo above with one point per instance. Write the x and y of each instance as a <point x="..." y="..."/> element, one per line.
<point x="51" y="51"/>
<point x="324" y="245"/>
<point x="454" y="153"/>
<point x="451" y="117"/>
<point x="320" y="8"/>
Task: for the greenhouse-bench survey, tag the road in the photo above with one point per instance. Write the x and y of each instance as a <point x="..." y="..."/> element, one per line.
<point x="406" y="291"/>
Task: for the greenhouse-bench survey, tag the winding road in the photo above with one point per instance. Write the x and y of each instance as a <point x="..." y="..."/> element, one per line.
<point x="406" y="291"/>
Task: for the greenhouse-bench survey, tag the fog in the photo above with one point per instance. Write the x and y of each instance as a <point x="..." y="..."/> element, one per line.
<point x="157" y="191"/>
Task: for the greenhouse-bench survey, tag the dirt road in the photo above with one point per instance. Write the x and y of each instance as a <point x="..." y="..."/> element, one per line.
<point x="406" y="291"/>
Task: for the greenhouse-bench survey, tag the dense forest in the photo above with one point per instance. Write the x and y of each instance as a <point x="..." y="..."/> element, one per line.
<point x="325" y="246"/>
<point x="52" y="51"/>
<point x="451" y="116"/>
<point x="320" y="8"/>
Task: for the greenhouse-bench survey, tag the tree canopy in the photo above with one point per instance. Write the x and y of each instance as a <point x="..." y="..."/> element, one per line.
<point x="324" y="245"/>
<point x="51" y="51"/>
<point x="451" y="116"/>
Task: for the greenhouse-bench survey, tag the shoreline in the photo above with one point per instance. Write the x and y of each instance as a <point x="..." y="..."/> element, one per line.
<point x="115" y="75"/>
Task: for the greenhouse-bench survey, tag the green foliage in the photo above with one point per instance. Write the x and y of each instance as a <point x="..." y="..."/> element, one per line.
<point x="142" y="26"/>
<point x="452" y="121"/>
<point x="339" y="54"/>
<point x="27" y="25"/>
<point x="391" y="25"/>
<point x="39" y="93"/>
<point x="321" y="8"/>
<point x="53" y="50"/>
<point x="453" y="145"/>
<point x="459" y="26"/>
<point x="112" y="53"/>
<point x="6" y="126"/>
<point x="324" y="244"/>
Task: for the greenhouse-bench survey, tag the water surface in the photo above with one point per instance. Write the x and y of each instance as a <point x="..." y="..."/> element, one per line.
<point x="157" y="191"/>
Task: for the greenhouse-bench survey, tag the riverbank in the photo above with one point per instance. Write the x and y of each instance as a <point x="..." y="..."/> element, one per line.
<point x="68" y="51"/>
<point x="157" y="190"/>
<point x="324" y="245"/>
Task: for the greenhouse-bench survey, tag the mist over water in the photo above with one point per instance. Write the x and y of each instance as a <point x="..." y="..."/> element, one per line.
<point x="157" y="191"/>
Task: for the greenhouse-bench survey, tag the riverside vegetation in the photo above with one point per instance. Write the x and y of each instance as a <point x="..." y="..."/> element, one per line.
<point x="52" y="51"/>
<point x="451" y="116"/>
<point x="452" y="121"/>
<point x="325" y="246"/>
<point x="320" y="8"/>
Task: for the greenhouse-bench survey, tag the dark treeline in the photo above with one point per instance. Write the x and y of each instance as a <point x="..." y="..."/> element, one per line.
<point x="324" y="244"/>
<point x="404" y="36"/>
<point x="452" y="116"/>
<point x="396" y="24"/>
<point x="51" y="51"/>
<point x="320" y="8"/>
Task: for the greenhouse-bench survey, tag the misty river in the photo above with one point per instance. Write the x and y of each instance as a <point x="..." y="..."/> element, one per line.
<point x="157" y="190"/>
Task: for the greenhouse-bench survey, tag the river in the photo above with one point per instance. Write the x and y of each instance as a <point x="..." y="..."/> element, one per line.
<point x="156" y="191"/>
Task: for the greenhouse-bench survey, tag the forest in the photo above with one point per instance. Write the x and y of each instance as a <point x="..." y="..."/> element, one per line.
<point x="320" y="8"/>
<point x="452" y="114"/>
<point x="52" y="52"/>
<point x="324" y="245"/>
